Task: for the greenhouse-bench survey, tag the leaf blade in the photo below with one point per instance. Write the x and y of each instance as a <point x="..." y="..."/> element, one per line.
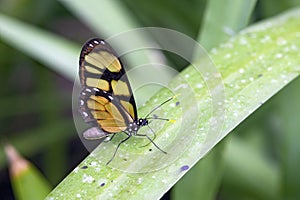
<point x="243" y="98"/>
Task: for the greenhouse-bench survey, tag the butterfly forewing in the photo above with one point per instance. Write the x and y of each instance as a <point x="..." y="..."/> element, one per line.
<point x="106" y="99"/>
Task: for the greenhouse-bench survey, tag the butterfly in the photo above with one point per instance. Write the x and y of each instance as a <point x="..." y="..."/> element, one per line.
<point x="106" y="101"/>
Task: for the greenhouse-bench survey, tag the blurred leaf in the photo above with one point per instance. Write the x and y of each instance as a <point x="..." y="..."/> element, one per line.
<point x="106" y="17"/>
<point x="287" y="131"/>
<point x="182" y="16"/>
<point x="270" y="8"/>
<point x="18" y="102"/>
<point x="52" y="50"/>
<point x="31" y="141"/>
<point x="27" y="181"/>
<point x="248" y="173"/>
<point x="222" y="19"/>
<point x="100" y="18"/>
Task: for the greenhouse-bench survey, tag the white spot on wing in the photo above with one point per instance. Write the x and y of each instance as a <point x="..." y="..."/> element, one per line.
<point x="85" y="114"/>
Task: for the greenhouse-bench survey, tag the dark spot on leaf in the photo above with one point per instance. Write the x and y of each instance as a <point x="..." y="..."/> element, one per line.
<point x="177" y="103"/>
<point x="102" y="184"/>
<point x="184" y="168"/>
<point x="84" y="167"/>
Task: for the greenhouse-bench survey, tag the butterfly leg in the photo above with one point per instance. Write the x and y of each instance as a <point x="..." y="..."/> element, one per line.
<point x="144" y="135"/>
<point x="128" y="136"/>
<point x="110" y="139"/>
<point x="152" y="138"/>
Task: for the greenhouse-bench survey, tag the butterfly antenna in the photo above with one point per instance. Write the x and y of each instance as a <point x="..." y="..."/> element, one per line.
<point x="157" y="107"/>
<point x="165" y="119"/>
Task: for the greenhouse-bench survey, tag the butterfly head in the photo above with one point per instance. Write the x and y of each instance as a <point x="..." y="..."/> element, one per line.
<point x="136" y="125"/>
<point x="142" y="122"/>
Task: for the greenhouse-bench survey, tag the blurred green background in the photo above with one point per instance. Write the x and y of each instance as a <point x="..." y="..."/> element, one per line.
<point x="36" y="103"/>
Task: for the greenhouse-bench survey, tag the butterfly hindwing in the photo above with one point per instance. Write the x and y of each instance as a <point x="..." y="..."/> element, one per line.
<point x="106" y="99"/>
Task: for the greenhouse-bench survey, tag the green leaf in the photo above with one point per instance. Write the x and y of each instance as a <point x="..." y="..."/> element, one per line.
<point x="287" y="116"/>
<point x="98" y="15"/>
<point x="248" y="172"/>
<point x="52" y="50"/>
<point x="254" y="65"/>
<point x="27" y="181"/>
<point x="224" y="19"/>
<point x="28" y="142"/>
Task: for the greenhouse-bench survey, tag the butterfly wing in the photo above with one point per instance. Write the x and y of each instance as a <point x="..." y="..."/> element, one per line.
<point x="106" y="99"/>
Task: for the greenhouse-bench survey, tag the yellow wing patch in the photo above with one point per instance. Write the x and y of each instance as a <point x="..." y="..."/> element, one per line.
<point x="92" y="70"/>
<point x="107" y="114"/>
<point x="112" y="126"/>
<point x="97" y="83"/>
<point x="114" y="111"/>
<point x="120" y="88"/>
<point x="103" y="59"/>
<point x="129" y="108"/>
<point x="101" y="114"/>
<point x="110" y="61"/>
<point x="94" y="105"/>
<point x="99" y="99"/>
<point x="94" y="59"/>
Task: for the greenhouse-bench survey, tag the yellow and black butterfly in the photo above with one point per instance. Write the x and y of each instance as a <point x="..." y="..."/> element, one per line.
<point x="106" y="100"/>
